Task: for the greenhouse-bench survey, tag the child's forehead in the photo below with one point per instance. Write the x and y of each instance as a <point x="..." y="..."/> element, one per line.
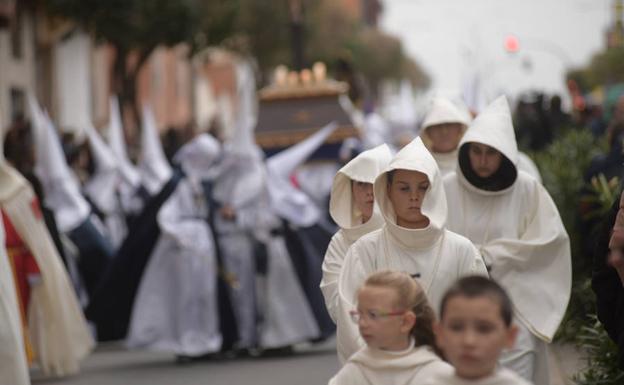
<point x="480" y="304"/>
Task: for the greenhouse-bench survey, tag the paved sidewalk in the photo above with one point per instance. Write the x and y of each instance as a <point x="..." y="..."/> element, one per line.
<point x="565" y="361"/>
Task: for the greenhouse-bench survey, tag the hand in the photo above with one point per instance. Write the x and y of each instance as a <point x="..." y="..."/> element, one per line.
<point x="227" y="212"/>
<point x="616" y="260"/>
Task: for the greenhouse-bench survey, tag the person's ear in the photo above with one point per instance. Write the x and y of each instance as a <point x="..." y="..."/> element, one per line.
<point x="512" y="335"/>
<point x="409" y="320"/>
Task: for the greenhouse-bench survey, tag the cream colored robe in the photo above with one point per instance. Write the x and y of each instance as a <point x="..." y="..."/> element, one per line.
<point x="59" y="332"/>
<point x="518" y="231"/>
<point x="371" y="366"/>
<point x="13" y="367"/>
<point x="501" y="377"/>
<point x="437" y="255"/>
<point x="363" y="168"/>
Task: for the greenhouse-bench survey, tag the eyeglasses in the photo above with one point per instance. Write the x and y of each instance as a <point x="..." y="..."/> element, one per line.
<point x="372" y="315"/>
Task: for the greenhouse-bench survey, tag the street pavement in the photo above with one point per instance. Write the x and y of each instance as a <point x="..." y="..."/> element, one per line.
<point x="111" y="364"/>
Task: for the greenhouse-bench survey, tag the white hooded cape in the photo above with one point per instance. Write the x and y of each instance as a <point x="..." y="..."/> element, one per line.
<point x="371" y="366"/>
<point x="58" y="329"/>
<point x="176" y="307"/>
<point x="518" y="229"/>
<point x="438" y="256"/>
<point x="363" y="168"/>
<point x="442" y="110"/>
<point x="502" y="376"/>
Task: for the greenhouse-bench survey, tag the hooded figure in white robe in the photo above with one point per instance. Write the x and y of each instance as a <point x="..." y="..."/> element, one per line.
<point x="131" y="179"/>
<point x="102" y="187"/>
<point x="363" y="168"/>
<point x="515" y="224"/>
<point x="435" y="256"/>
<point x="501" y="376"/>
<point x="71" y="210"/>
<point x="154" y="168"/>
<point x="371" y="366"/>
<point x="306" y="239"/>
<point x="58" y="331"/>
<point x="176" y="307"/>
<point x="443" y="112"/>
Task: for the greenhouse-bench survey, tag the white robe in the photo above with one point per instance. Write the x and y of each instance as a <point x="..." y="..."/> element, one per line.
<point x="176" y="307"/>
<point x="517" y="229"/>
<point x="447" y="162"/>
<point x="12" y="356"/>
<point x="502" y="376"/>
<point x="59" y="331"/>
<point x="371" y="366"/>
<point x="363" y="168"/>
<point x="437" y="256"/>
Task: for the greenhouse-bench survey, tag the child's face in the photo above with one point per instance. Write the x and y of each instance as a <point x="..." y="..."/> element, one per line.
<point x="407" y="193"/>
<point x="472" y="335"/>
<point x="377" y="328"/>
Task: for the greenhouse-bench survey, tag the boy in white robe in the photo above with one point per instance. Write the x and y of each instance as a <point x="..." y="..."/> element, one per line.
<point x="515" y="224"/>
<point x="475" y="326"/>
<point x="441" y="130"/>
<point x="396" y="320"/>
<point x="414" y="239"/>
<point x="352" y="207"/>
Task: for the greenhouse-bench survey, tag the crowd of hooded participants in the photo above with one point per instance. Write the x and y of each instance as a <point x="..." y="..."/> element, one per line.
<point x="442" y="260"/>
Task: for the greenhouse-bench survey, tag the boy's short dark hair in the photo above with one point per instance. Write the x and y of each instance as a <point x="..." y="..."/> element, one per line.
<point x="479" y="286"/>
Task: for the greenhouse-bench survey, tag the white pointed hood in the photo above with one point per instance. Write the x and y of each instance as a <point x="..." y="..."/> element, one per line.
<point x="363" y="168"/>
<point x="492" y="127"/>
<point x="154" y="169"/>
<point x="198" y="156"/>
<point x="118" y="145"/>
<point x="288" y="201"/>
<point x="101" y="187"/>
<point x="415" y="157"/>
<point x="60" y="185"/>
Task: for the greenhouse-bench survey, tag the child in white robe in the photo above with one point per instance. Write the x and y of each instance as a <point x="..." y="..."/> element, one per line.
<point x="352" y="207"/>
<point x="396" y="321"/>
<point x="414" y="239"/>
<point x="475" y="326"/>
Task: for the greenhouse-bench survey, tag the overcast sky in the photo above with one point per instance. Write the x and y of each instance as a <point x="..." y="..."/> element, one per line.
<point x="452" y="39"/>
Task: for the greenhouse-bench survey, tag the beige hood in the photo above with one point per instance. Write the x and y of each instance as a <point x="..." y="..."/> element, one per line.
<point x="363" y="168"/>
<point x="442" y="110"/>
<point x="415" y="157"/>
<point x="492" y="127"/>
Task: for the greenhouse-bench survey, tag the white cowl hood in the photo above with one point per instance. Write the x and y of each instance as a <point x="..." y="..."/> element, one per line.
<point x="415" y="157"/>
<point x="60" y="185"/>
<point x="363" y="168"/>
<point x="154" y="169"/>
<point x="197" y="157"/>
<point x="442" y="110"/>
<point x="492" y="127"/>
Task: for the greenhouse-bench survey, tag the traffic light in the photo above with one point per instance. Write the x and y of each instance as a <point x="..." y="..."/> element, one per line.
<point x="511" y="44"/>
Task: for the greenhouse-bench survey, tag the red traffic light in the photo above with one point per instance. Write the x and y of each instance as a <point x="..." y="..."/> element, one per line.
<point x="511" y="44"/>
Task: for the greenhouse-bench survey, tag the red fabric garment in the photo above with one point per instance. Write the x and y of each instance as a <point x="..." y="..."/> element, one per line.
<point x="24" y="264"/>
